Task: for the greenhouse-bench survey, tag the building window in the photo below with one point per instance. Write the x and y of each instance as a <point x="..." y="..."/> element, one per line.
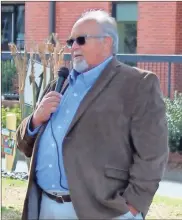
<point x="126" y="17"/>
<point x="12" y="25"/>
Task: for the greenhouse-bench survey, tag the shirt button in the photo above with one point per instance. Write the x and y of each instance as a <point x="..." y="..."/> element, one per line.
<point x="53" y="145"/>
<point x="50" y="165"/>
<point x="59" y="127"/>
<point x="67" y="111"/>
<point x="75" y="94"/>
<point x="53" y="186"/>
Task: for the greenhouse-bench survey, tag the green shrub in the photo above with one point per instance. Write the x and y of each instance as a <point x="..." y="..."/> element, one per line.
<point x="8" y="74"/>
<point x="174" y="118"/>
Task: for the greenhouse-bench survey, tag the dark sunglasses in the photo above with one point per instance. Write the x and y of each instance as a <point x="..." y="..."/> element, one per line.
<point x="81" y="40"/>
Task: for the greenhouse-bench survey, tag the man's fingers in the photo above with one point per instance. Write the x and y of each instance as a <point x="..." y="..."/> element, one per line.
<point x="53" y="109"/>
<point x="48" y="105"/>
<point x="51" y="99"/>
<point x="44" y="109"/>
<point x="51" y="104"/>
<point x="53" y="94"/>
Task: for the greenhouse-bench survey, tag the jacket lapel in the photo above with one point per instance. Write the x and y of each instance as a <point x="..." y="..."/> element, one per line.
<point x="108" y="73"/>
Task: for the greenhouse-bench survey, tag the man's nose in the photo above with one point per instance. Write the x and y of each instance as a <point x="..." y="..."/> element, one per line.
<point x="75" y="45"/>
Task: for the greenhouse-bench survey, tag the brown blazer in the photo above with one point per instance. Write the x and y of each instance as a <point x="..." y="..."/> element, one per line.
<point x="115" y="150"/>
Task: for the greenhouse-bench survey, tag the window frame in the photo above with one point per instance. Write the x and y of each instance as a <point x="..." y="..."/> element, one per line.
<point x="14" y="15"/>
<point x="114" y="14"/>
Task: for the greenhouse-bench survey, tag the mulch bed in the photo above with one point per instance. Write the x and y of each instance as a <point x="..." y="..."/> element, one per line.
<point x="175" y="160"/>
<point x="175" y="157"/>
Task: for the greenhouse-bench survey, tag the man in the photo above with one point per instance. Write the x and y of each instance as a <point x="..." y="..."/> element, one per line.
<point x="99" y="150"/>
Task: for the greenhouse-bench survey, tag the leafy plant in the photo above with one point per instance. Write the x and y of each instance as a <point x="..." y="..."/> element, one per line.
<point x="8" y="75"/>
<point x="174" y="118"/>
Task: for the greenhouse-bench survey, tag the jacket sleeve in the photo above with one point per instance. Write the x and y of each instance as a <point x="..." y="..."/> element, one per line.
<point x="24" y="141"/>
<point x="149" y="136"/>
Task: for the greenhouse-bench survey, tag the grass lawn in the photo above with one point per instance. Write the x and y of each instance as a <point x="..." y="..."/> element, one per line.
<point x="13" y="193"/>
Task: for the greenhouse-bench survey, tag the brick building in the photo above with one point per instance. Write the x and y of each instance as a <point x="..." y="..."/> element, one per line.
<point x="144" y="27"/>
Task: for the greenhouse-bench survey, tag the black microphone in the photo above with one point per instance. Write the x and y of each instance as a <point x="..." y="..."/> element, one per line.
<point x="62" y="76"/>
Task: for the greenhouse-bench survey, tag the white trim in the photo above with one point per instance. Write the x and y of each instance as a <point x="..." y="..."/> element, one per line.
<point x="5" y="52"/>
<point x="22" y="51"/>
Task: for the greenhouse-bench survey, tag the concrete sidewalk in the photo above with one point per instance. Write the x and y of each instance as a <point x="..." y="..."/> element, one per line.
<point x="170" y="189"/>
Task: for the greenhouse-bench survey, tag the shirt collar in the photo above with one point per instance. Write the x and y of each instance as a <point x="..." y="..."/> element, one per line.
<point x="90" y="76"/>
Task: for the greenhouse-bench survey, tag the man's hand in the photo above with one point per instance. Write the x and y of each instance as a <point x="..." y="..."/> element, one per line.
<point x="133" y="210"/>
<point x="46" y="107"/>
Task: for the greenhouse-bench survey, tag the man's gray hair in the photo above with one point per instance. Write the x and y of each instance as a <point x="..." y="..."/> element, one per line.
<point x="107" y="23"/>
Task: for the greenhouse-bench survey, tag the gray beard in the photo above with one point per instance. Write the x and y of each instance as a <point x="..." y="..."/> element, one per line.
<point x="80" y="66"/>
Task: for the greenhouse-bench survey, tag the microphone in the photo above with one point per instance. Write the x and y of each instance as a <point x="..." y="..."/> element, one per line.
<point x="62" y="76"/>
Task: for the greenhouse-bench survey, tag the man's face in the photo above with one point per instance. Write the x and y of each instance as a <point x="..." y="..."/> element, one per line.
<point x="94" y="51"/>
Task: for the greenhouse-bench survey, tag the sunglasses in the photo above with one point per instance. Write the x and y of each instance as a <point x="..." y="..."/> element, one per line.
<point x="81" y="40"/>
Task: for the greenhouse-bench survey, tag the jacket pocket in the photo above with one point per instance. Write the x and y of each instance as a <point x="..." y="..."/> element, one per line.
<point x="116" y="173"/>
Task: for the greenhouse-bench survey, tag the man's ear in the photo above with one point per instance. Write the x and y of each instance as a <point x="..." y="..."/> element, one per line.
<point x="108" y="42"/>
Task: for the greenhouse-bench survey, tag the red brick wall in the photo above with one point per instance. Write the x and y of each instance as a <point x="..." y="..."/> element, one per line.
<point x="156" y="27"/>
<point x="36" y="21"/>
<point x="68" y="12"/>
<point x="160" y="32"/>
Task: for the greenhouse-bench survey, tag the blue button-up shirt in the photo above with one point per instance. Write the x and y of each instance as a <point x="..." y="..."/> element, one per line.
<point x="49" y="161"/>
